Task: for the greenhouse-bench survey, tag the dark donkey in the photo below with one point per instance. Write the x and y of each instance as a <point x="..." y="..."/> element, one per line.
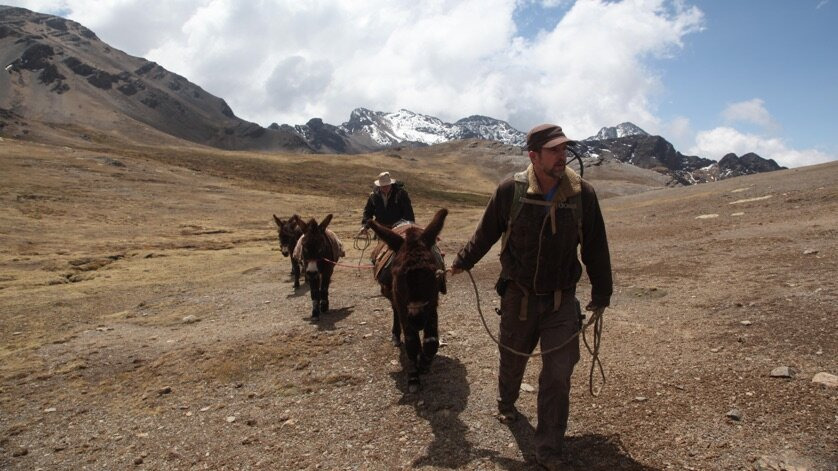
<point x="318" y="250"/>
<point x="289" y="232"/>
<point x="416" y="278"/>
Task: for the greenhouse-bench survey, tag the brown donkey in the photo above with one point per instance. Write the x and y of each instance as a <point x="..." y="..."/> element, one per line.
<point x="318" y="250"/>
<point x="416" y="278"/>
<point x="289" y="231"/>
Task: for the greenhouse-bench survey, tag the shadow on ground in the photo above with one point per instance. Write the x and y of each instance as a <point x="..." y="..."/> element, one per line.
<point x="329" y="319"/>
<point x="441" y="399"/>
<point x="590" y="452"/>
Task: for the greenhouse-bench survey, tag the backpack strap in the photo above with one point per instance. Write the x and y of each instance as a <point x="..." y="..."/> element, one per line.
<point x="521" y="184"/>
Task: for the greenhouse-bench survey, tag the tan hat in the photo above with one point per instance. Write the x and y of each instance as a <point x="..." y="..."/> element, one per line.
<point x="546" y="135"/>
<point x="384" y="179"/>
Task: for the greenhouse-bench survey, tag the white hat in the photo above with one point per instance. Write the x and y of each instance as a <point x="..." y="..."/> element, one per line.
<point x="384" y="179"/>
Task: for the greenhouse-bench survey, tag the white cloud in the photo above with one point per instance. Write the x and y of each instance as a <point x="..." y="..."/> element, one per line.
<point x="751" y="111"/>
<point x="717" y="142"/>
<point x="446" y="58"/>
<point x="679" y="131"/>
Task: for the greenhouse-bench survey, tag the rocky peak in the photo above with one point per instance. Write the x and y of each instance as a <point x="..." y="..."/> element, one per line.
<point x="620" y="130"/>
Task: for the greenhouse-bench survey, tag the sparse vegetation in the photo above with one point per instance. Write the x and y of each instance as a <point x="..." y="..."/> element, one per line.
<point x="179" y="342"/>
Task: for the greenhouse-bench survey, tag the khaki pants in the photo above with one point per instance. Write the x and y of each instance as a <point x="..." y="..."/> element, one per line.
<point x="551" y="328"/>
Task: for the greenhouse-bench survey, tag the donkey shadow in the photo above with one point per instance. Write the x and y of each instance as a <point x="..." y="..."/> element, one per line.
<point x="301" y="291"/>
<point x="591" y="451"/>
<point x="329" y="319"/>
<point x="444" y="395"/>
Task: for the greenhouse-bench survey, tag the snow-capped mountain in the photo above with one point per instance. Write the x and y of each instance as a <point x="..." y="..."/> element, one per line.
<point x="620" y="130"/>
<point x="407" y="127"/>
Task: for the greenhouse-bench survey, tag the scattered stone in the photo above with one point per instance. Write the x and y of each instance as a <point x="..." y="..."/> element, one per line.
<point x="50" y="409"/>
<point x="826" y="379"/>
<point x="17" y="333"/>
<point x="142" y="435"/>
<point x="749" y="200"/>
<point x="738" y="214"/>
<point x="204" y="409"/>
<point x="734" y="414"/>
<point x="138" y="460"/>
<point x="527" y="387"/>
<point x="231" y="419"/>
<point x="165" y="390"/>
<point x="20" y="451"/>
<point x="190" y="319"/>
<point x="250" y="422"/>
<point x="716" y="349"/>
<point x="782" y="372"/>
<point x="810" y="252"/>
<point x="640" y="399"/>
<point x="707" y="216"/>
<point x="746" y="322"/>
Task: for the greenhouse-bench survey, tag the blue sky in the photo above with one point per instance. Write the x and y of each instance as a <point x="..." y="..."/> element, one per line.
<point x="711" y="76"/>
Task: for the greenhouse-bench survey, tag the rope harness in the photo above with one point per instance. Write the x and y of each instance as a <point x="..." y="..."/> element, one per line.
<point x="596" y="321"/>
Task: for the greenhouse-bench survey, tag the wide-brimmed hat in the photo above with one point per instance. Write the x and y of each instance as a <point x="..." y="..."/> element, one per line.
<point x="384" y="179"/>
<point x="546" y="135"/>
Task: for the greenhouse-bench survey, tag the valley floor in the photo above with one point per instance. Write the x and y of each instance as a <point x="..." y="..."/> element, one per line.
<point x="147" y="320"/>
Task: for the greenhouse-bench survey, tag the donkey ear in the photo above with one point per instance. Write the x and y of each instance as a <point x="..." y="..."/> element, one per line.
<point x="393" y="240"/>
<point x="433" y="229"/>
<point x="325" y="222"/>
<point x="278" y="221"/>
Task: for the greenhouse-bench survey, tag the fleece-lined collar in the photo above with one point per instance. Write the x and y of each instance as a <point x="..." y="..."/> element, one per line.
<point x="569" y="185"/>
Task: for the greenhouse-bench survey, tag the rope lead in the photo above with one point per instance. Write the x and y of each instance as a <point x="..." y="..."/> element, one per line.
<point x="596" y="320"/>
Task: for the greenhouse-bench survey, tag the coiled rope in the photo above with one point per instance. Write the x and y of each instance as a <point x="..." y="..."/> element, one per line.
<point x="361" y="242"/>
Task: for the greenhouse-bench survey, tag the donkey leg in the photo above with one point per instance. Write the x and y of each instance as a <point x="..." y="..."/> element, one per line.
<point x="430" y="342"/>
<point x="397" y="330"/>
<point x="414" y="352"/>
<point x="313" y="283"/>
<point x="324" y="292"/>
<point x="295" y="272"/>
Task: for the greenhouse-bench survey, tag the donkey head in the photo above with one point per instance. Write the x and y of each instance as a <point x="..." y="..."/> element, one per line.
<point x="289" y="232"/>
<point x="316" y="245"/>
<point x="416" y="277"/>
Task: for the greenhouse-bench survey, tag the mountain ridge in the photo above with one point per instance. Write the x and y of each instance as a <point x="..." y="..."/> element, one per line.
<point x="60" y="74"/>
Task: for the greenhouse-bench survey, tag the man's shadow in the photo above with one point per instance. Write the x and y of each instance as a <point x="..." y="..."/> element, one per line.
<point x="443" y="396"/>
<point x="591" y="451"/>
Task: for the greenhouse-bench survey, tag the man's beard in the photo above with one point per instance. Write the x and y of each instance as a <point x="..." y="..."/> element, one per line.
<point x="556" y="172"/>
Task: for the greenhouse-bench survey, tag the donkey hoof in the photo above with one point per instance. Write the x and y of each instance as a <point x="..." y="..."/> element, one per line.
<point x="396" y="341"/>
<point x="324" y="306"/>
<point x="296" y="285"/>
<point x="413" y="384"/>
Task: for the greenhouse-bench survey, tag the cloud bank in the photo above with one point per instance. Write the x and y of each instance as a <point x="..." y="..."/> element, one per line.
<point x="287" y="61"/>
